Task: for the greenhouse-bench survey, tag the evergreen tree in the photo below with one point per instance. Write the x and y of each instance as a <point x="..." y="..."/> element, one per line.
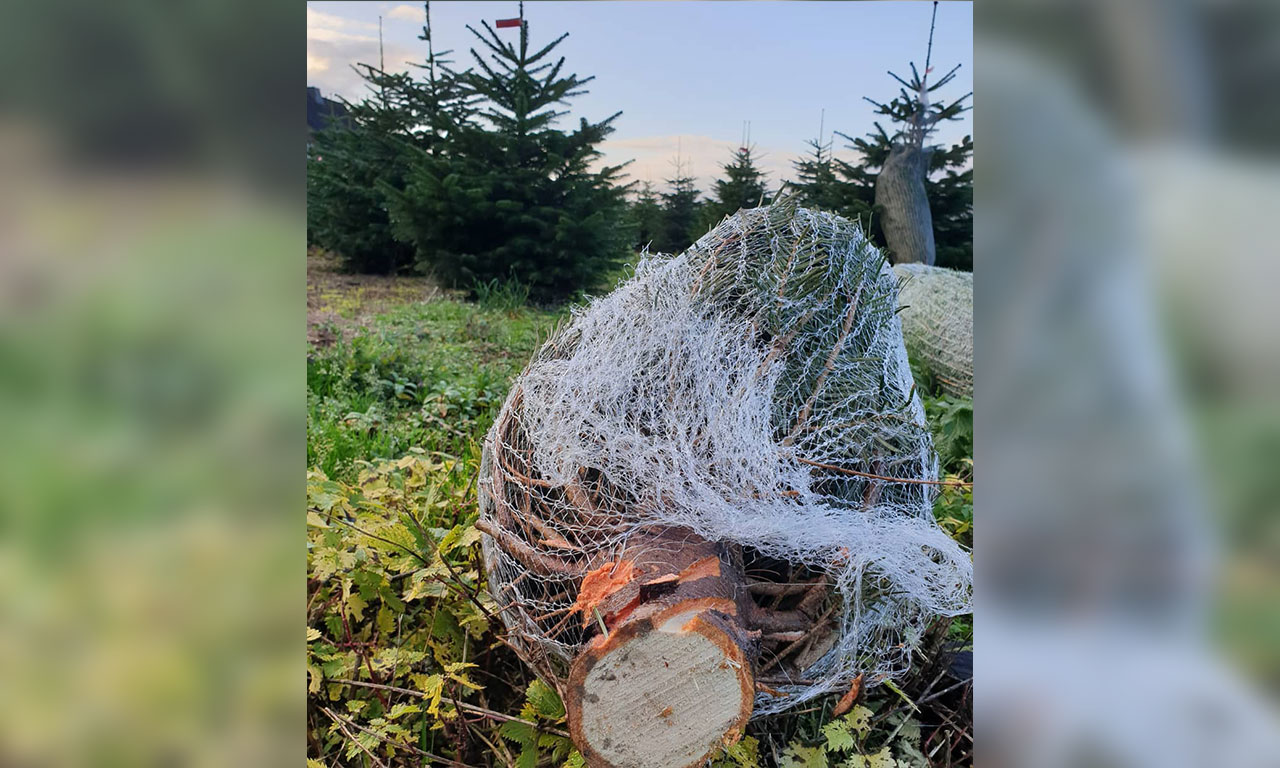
<point x="816" y="184"/>
<point x="442" y="99"/>
<point x="858" y="181"/>
<point x="348" y="164"/>
<point x="742" y="187"/>
<point x="519" y="199"/>
<point x="680" y="213"/>
<point x="950" y="189"/>
<point x="358" y="167"/>
<point x="646" y="217"/>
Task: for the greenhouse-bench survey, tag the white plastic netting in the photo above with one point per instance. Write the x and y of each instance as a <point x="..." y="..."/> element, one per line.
<point x="753" y="390"/>
<point x="937" y="323"/>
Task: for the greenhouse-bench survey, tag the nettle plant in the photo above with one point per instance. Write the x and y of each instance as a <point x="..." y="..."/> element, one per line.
<point x="400" y="627"/>
<point x="395" y="613"/>
<point x="856" y="740"/>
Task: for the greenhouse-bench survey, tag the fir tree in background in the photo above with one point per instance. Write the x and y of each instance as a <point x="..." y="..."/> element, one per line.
<point x="951" y="201"/>
<point x="743" y="186"/>
<point x="858" y="181"/>
<point x="681" y="211"/>
<point x="348" y="166"/>
<point x="816" y="184"/>
<point x="358" y="168"/>
<point x="646" y="217"/>
<point x="518" y="200"/>
<point x="442" y="99"/>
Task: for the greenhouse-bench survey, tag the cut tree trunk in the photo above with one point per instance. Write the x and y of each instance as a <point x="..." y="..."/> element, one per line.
<point x="672" y="678"/>
<point x="905" y="217"/>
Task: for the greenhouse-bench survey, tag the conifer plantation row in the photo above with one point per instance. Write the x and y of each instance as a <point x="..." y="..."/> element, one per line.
<point x="478" y="174"/>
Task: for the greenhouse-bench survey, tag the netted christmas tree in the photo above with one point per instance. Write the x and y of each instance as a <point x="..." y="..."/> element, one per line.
<point x="710" y="494"/>
<point x="937" y="324"/>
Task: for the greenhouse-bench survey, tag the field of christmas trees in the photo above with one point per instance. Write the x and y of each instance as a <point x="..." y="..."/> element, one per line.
<point x="455" y="217"/>
<point x="481" y="174"/>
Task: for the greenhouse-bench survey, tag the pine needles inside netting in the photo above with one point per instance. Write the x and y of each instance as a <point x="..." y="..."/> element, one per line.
<point x="752" y="394"/>
<point x="937" y="323"/>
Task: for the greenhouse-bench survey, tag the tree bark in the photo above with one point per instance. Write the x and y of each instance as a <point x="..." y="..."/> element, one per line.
<point x="905" y="217"/>
<point x="672" y="678"/>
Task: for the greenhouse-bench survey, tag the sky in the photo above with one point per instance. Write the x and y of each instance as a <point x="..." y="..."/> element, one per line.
<point x="685" y="75"/>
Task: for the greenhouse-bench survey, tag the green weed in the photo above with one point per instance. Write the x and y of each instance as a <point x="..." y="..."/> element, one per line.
<point x="503" y="296"/>
<point x="429" y="375"/>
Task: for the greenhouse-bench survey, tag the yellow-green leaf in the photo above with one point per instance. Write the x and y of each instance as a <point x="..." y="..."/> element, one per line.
<point x="859" y="720"/>
<point x="402" y="709"/>
<point x="797" y="756"/>
<point x="423" y="585"/>
<point x="838" y="735"/>
<point x="315" y="678"/>
<point x="459" y="536"/>
<point x="881" y="759"/>
<point x="432" y="686"/>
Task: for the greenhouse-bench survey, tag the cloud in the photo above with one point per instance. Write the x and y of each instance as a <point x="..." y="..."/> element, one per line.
<point x="336" y="43"/>
<point x="701" y="157"/>
<point x="406" y="13"/>
<point x="321" y="20"/>
<point x="327" y="28"/>
<point x="331" y="64"/>
<point x="334" y="36"/>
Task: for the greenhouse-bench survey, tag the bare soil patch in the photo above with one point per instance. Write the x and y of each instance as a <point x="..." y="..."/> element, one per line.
<point x="339" y="303"/>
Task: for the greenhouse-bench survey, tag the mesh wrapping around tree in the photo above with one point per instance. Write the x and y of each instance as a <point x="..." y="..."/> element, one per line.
<point x="937" y="323"/>
<point x="753" y="391"/>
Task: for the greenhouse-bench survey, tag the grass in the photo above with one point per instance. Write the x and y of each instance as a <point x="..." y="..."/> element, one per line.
<point x="400" y="391"/>
<point x="430" y="375"/>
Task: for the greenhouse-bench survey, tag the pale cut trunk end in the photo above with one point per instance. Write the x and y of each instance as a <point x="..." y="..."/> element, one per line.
<point x="662" y="691"/>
